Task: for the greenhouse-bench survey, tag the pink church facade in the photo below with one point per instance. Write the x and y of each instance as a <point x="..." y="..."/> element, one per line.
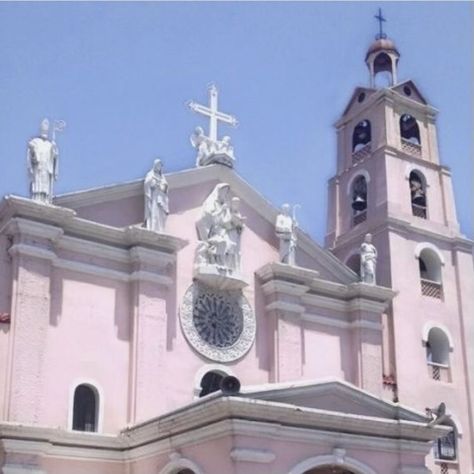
<point x="113" y="352"/>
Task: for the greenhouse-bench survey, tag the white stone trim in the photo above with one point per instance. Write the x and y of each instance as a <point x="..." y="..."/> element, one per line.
<point x="434" y="324"/>
<point x="262" y="456"/>
<point x="285" y="306"/>
<point x="23" y="469"/>
<point x="359" y="172"/>
<point x="332" y="459"/>
<point x="175" y="465"/>
<point x="412" y="167"/>
<point x="338" y="323"/>
<point x="208" y="368"/>
<point x="99" y="394"/>
<point x="428" y="245"/>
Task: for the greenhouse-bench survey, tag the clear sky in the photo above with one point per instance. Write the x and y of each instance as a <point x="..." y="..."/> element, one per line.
<point x="120" y="74"/>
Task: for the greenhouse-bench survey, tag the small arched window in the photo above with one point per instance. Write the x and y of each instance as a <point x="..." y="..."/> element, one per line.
<point x="211" y="382"/>
<point x="359" y="200"/>
<point x="437" y="355"/>
<point x="446" y="447"/>
<point x="85" y="409"/>
<point x="383" y="70"/>
<point x="185" y="471"/>
<point x="361" y="136"/>
<point x="418" y="194"/>
<point x="430" y="273"/>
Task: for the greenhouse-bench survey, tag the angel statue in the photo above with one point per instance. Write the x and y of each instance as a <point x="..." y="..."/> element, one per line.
<point x="204" y="145"/>
<point x="285" y="228"/>
<point x="368" y="260"/>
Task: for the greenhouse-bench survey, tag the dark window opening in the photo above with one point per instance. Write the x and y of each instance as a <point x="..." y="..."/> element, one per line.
<point x="185" y="471"/>
<point x="359" y="195"/>
<point x="407" y="91"/>
<point x="361" y="136"/>
<point x="446" y="447"/>
<point x="361" y="97"/>
<point x="85" y="409"/>
<point x="409" y="129"/>
<point x="418" y="195"/>
<point x="211" y="382"/>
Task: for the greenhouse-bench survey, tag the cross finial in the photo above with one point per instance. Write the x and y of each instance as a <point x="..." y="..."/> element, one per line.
<point x="213" y="113"/>
<point x="380" y="19"/>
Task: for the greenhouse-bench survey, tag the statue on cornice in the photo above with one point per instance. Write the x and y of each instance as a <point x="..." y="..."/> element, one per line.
<point x="219" y="230"/>
<point x="156" y="198"/>
<point x="368" y="260"/>
<point x="285" y="228"/>
<point x="42" y="158"/>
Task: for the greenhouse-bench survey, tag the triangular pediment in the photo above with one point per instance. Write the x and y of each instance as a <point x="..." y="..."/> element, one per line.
<point x="200" y="180"/>
<point x="333" y="396"/>
<point x="359" y="99"/>
<point x="409" y="90"/>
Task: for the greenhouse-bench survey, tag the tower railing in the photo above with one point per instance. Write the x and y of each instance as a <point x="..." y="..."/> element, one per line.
<point x="439" y="372"/>
<point x="411" y="148"/>
<point x="359" y="218"/>
<point x="432" y="289"/>
<point x="418" y="211"/>
<point x="362" y="153"/>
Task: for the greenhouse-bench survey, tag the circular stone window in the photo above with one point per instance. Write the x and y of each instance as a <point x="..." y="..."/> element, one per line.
<point x="361" y="97"/>
<point x="218" y="324"/>
<point x="407" y="90"/>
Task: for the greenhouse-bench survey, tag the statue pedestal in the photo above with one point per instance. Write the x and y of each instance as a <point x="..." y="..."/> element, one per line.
<point x="218" y="277"/>
<point x="221" y="158"/>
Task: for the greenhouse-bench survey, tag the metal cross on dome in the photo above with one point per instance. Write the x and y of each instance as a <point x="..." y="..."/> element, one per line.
<point x="213" y="113"/>
<point x="380" y="19"/>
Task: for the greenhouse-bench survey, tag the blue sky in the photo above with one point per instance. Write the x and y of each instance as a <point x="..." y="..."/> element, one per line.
<point x="120" y="74"/>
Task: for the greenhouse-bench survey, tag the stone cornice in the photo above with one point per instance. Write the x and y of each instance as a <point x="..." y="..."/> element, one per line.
<point x="25" y="214"/>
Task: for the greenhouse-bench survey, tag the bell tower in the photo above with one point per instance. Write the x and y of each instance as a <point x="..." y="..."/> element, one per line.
<point x="389" y="182"/>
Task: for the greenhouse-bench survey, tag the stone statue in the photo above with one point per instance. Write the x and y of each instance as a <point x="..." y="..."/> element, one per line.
<point x="42" y="160"/>
<point x="219" y="230"/>
<point x="156" y="198"/>
<point x="368" y="260"/>
<point x="203" y="145"/>
<point x="286" y="231"/>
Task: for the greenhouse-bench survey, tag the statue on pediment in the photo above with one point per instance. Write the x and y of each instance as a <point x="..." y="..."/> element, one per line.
<point x="219" y="230"/>
<point x="42" y="158"/>
<point x="285" y="228"/>
<point x="368" y="260"/>
<point x="156" y="198"/>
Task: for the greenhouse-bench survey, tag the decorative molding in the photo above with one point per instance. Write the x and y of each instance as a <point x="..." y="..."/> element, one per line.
<point x="338" y="323"/>
<point x="252" y="455"/>
<point x="358" y="172"/>
<point x="31" y="251"/>
<point x="285" y="306"/>
<point x="434" y="324"/>
<point x="428" y="245"/>
<point x="179" y="463"/>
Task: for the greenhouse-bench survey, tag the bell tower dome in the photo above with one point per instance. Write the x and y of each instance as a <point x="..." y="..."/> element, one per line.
<point x="382" y="55"/>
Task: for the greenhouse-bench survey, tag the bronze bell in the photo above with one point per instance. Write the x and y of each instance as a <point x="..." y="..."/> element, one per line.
<point x="418" y="198"/>
<point x="359" y="203"/>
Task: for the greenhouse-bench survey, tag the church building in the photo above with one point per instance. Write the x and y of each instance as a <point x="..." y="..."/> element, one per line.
<point x="182" y="324"/>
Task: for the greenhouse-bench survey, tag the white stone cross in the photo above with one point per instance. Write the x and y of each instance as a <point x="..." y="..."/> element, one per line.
<point x="214" y="115"/>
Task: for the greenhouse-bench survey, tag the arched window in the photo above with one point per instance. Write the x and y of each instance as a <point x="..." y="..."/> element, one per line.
<point x="430" y="273"/>
<point x="418" y="194"/>
<point x="437" y="354"/>
<point x="383" y="70"/>
<point x="446" y="447"/>
<point x="211" y="382"/>
<point x="361" y="137"/>
<point x="85" y="410"/>
<point x="410" y="135"/>
<point x="359" y="200"/>
<point x="185" y="471"/>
